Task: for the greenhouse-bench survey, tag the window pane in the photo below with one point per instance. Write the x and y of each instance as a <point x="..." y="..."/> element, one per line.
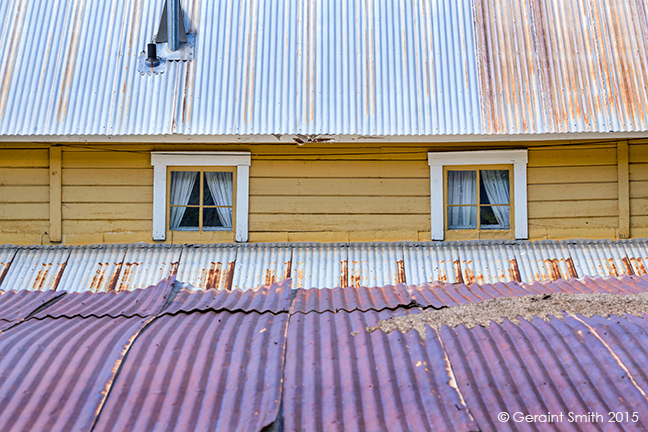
<point x="495" y="217"/>
<point x="185" y="190"/>
<point x="494" y="186"/>
<point x="184" y="218"/>
<point x="213" y="218"/>
<point x="462" y="187"/>
<point x="218" y="188"/>
<point x="462" y="217"/>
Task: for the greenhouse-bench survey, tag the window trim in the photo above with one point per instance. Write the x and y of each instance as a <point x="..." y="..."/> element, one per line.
<point x="437" y="161"/>
<point x="162" y="160"/>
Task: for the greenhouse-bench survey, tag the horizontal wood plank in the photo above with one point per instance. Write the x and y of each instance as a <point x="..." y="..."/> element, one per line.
<point x="105" y="226"/>
<point x="562" y="175"/>
<point x="80" y="159"/>
<point x="24" y="176"/>
<point x="24" y="194"/>
<point x="572" y="157"/>
<point x="334" y="186"/>
<point x="301" y="222"/>
<point x="568" y="209"/>
<point x="31" y="226"/>
<point x="24" y="211"/>
<point x="638" y="172"/>
<point x="339" y="169"/>
<point x="576" y="222"/>
<point x="572" y="192"/>
<point x="108" y="194"/>
<point x="107" y="177"/>
<point x="340" y="205"/>
<point x="104" y="211"/>
<point x="27" y="158"/>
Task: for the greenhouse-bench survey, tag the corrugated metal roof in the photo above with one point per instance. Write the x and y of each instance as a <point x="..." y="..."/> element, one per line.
<point x="560" y="366"/>
<point x="207" y="267"/>
<point x="93" y="269"/>
<point x="322" y="67"/>
<point x="432" y="262"/>
<point x="36" y="269"/>
<point x="261" y="264"/>
<point x="18" y="305"/>
<point x="320" y="265"/>
<point x="6" y="256"/>
<point x="338" y="376"/>
<point x="545" y="260"/>
<point x="375" y="264"/>
<point x="350" y="299"/>
<point x="212" y="371"/>
<point x="637" y="252"/>
<point x="274" y="298"/>
<point x="562" y="66"/>
<point x="139" y="302"/>
<point x="147" y="265"/>
<point x="56" y="372"/>
<point x="601" y="258"/>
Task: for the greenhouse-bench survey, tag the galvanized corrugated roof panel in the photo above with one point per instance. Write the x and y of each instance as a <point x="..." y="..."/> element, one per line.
<point x="375" y="264"/>
<point x="212" y="371"/>
<point x="147" y="265"/>
<point x="261" y="264"/>
<point x="637" y="253"/>
<point x="208" y="266"/>
<point x="36" y="269"/>
<point x="92" y="269"/>
<point x="17" y="305"/>
<point x="139" y="302"/>
<point x="351" y="298"/>
<point x="487" y="262"/>
<point x="600" y="258"/>
<point x="544" y="260"/>
<point x="320" y="266"/>
<point x="562" y="66"/>
<point x="274" y="298"/>
<point x="6" y="256"/>
<point x="338" y="376"/>
<point x="538" y="367"/>
<point x="59" y="370"/>
<point x="432" y="262"/>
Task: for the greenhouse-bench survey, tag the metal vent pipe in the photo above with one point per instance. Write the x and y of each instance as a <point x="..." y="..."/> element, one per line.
<point x="173" y="24"/>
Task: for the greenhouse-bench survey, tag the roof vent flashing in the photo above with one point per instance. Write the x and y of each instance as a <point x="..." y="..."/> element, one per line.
<point x="174" y="44"/>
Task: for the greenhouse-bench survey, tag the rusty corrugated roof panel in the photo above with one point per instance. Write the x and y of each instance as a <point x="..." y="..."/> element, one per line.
<point x="139" y="302"/>
<point x="262" y="264"/>
<point x="207" y="266"/>
<point x="7" y="255"/>
<point x="93" y="269"/>
<point x="375" y="264"/>
<point x="599" y="258"/>
<point x="274" y="298"/>
<point x="147" y="265"/>
<point x="36" y="269"/>
<point x="338" y="376"/>
<point x="350" y="299"/>
<point x="544" y="260"/>
<point x="56" y="372"/>
<point x="430" y="262"/>
<point x="562" y="66"/>
<point x="488" y="262"/>
<point x="637" y="253"/>
<point x="320" y="265"/>
<point x="18" y="305"/>
<point x="211" y="371"/>
<point x="562" y="366"/>
<point x="441" y="295"/>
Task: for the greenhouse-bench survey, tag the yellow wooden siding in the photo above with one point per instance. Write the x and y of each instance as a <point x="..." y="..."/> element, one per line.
<point x="24" y="195"/>
<point x="572" y="192"/>
<point x="314" y="193"/>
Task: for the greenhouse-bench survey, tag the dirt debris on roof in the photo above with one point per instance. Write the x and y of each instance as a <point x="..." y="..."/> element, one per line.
<point x="514" y="308"/>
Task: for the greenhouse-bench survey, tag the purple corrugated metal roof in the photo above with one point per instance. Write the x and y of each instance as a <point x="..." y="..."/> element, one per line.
<point x="202" y="371"/>
<point x="274" y="298"/>
<point x="140" y="302"/>
<point x="440" y="295"/>
<point x="560" y="366"/>
<point x="338" y="376"/>
<point x="17" y="305"/>
<point x="350" y="299"/>
<point x="55" y="373"/>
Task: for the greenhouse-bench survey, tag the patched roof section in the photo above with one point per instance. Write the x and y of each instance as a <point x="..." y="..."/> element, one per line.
<point x="18" y="305"/>
<point x="351" y="299"/>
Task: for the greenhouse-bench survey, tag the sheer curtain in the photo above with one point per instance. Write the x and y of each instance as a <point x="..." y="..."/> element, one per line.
<point x="182" y="183"/>
<point x="462" y="189"/>
<point x="220" y="186"/>
<point x="496" y="183"/>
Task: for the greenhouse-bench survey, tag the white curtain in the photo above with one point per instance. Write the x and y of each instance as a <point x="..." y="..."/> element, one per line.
<point x="220" y="186"/>
<point x="182" y="183"/>
<point x="462" y="189"/>
<point x="497" y="188"/>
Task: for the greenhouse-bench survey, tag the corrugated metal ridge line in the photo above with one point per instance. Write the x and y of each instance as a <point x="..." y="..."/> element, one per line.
<point x="18" y="305"/>
<point x="146" y="265"/>
<point x="351" y="299"/>
<point x="140" y="302"/>
<point x="61" y="370"/>
<point x="275" y="298"/>
<point x="338" y="376"/>
<point x="208" y="266"/>
<point x="212" y="371"/>
<point x="93" y="268"/>
<point x="538" y="367"/>
<point x="442" y="295"/>
<point x="36" y="268"/>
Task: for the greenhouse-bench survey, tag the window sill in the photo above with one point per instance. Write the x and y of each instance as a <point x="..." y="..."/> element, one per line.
<point x="480" y="235"/>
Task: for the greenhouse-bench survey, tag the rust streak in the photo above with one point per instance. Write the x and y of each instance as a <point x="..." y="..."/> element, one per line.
<point x="626" y="264"/>
<point x="344" y="269"/>
<point x="114" y="277"/>
<point x="457" y="270"/>
<point x="613" y="268"/>
<point x="230" y="276"/>
<point x="59" y="274"/>
<point x="174" y="268"/>
<point x="514" y="271"/>
<point x="41" y="276"/>
<point x="639" y="265"/>
<point x="269" y="277"/>
<point x="98" y="278"/>
<point x="571" y="268"/>
<point x="442" y="276"/>
<point x="401" y="271"/>
<point x="286" y="274"/>
<point x="553" y="269"/>
<point x="128" y="269"/>
<point x="211" y="278"/>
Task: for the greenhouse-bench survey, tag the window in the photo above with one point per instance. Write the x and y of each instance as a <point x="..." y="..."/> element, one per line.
<point x="200" y="192"/>
<point x="478" y="194"/>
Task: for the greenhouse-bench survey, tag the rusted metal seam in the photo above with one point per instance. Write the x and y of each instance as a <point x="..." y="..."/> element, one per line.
<point x="6" y="269"/>
<point x="221" y="310"/>
<point x="46" y="305"/>
<point x="411" y="305"/>
<point x="109" y="385"/>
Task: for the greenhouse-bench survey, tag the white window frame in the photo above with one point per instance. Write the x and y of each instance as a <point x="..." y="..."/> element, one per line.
<point x="519" y="159"/>
<point x="162" y="160"/>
